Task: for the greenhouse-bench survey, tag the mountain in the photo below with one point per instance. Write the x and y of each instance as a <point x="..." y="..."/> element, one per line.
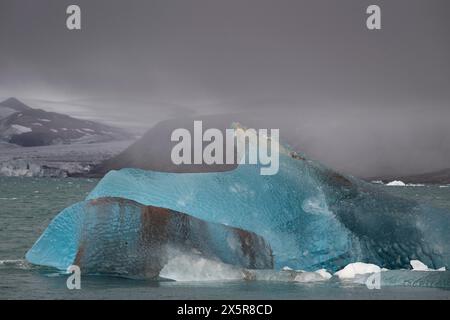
<point x="28" y="127"/>
<point x="153" y="150"/>
<point x="10" y="106"/>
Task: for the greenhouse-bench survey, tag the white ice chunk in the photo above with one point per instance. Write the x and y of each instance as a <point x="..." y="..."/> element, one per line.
<point x="418" y="265"/>
<point x="353" y="269"/>
<point x="396" y="183"/>
<point x="324" y="273"/>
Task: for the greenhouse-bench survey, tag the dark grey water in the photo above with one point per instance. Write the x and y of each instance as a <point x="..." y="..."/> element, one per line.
<point x="28" y="204"/>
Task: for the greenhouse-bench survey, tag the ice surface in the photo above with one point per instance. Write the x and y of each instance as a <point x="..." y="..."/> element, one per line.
<point x="324" y="273"/>
<point x="418" y="265"/>
<point x="121" y="237"/>
<point x="409" y="278"/>
<point x="357" y="268"/>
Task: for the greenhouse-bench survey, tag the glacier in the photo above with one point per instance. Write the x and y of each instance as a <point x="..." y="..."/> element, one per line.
<point x="309" y="215"/>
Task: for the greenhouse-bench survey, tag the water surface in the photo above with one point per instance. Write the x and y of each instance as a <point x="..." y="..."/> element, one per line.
<point x="28" y="204"/>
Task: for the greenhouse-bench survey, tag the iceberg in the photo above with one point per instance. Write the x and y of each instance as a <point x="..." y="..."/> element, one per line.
<point x="311" y="217"/>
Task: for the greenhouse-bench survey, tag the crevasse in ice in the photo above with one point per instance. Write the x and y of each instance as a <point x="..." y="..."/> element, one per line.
<point x="311" y="216"/>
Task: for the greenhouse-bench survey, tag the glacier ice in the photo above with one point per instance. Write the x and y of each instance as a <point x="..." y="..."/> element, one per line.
<point x="121" y="237"/>
<point x="310" y="216"/>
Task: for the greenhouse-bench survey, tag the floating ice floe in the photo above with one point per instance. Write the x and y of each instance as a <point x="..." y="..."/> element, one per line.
<point x="357" y="268"/>
<point x="418" y="265"/>
<point x="396" y="183"/>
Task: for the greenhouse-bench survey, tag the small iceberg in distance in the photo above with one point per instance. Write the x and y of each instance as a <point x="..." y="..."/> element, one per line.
<point x="310" y="217"/>
<point x="396" y="183"/>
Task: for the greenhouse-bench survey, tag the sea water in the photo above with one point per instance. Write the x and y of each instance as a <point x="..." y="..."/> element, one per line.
<point x="28" y="204"/>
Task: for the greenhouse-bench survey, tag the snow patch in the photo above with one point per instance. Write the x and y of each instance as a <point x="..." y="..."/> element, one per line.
<point x="305" y="277"/>
<point x="20" y="129"/>
<point x="324" y="273"/>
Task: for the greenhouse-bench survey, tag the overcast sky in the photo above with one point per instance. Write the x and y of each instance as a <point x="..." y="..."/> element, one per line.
<point x="366" y="102"/>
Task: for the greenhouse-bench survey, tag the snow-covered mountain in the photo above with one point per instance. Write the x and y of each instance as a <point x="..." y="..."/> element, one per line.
<point x="28" y="127"/>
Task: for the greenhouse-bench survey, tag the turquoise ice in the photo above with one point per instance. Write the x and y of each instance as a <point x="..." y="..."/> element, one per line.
<point x="311" y="216"/>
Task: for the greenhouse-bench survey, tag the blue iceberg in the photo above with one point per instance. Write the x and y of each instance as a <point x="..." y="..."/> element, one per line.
<point x="310" y="216"/>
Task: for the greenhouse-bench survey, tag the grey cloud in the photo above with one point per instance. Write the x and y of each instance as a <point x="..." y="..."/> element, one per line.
<point x="364" y="102"/>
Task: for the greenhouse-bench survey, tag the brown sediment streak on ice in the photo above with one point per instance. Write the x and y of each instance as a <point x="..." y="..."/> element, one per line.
<point x="79" y="255"/>
<point x="154" y="224"/>
<point x="247" y="245"/>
